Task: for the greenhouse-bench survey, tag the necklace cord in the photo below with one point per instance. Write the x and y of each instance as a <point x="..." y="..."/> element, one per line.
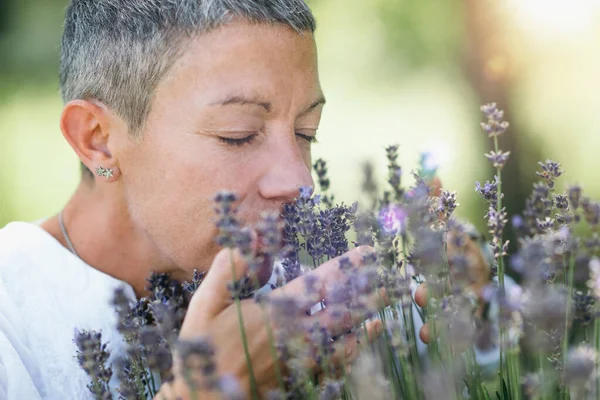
<point x="64" y="232"/>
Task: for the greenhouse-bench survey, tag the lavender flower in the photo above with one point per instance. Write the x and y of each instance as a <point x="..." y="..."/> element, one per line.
<point x="332" y="390"/>
<point x="591" y="212"/>
<point x="320" y="168"/>
<point x="574" y="195"/>
<point x="128" y="381"/>
<point x="197" y="363"/>
<point x="227" y="222"/>
<point x="197" y="278"/>
<point x="489" y="191"/>
<point x="580" y="368"/>
<point x="583" y="303"/>
<point x="394" y="172"/>
<point x="496" y="223"/>
<point x="495" y="126"/>
<point x="92" y="356"/>
<point x="447" y="204"/>
<point x="545" y="308"/>
<point x="230" y="388"/>
<point x="392" y="219"/>
<point x="538" y="207"/>
<point x="498" y="158"/>
<point x="270" y="231"/>
<point x="369" y="185"/>
<point x="550" y="171"/>
<point x="322" y="344"/>
<point x="365" y="226"/>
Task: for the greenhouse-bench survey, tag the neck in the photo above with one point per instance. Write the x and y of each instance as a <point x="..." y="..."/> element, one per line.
<point x="105" y="236"/>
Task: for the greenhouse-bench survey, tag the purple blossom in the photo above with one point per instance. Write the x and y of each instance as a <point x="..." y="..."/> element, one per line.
<point x="495" y="126"/>
<point x="227" y="223"/>
<point x="489" y="191"/>
<point x="320" y="168"/>
<point x="574" y="195"/>
<point x="198" y="363"/>
<point x="194" y="284"/>
<point x="394" y="172"/>
<point x="332" y="390"/>
<point x="392" y="219"/>
<point x="580" y="368"/>
<point x="550" y="171"/>
<point x="498" y="158"/>
<point x="92" y="356"/>
<point x="447" y="204"/>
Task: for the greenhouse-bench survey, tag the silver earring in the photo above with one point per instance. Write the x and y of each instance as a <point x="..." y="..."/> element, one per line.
<point x="105" y="172"/>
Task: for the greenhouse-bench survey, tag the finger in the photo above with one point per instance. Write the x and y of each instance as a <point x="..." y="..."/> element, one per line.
<point x="349" y="349"/>
<point x="421" y="295"/>
<point x="214" y="296"/>
<point x="427" y="333"/>
<point x="424" y="333"/>
<point x="337" y="318"/>
<point x="325" y="275"/>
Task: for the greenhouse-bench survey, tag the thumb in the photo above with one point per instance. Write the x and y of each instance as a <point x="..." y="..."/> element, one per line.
<point x="214" y="296"/>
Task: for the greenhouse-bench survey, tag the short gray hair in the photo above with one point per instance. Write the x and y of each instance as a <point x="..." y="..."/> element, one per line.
<point x="117" y="51"/>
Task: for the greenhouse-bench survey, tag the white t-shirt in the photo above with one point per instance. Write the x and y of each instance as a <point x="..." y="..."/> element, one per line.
<point x="46" y="293"/>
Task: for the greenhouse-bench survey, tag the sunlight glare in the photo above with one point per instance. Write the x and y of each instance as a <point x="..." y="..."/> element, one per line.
<point x="555" y="18"/>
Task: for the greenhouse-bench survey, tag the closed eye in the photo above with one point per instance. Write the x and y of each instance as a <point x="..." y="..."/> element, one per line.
<point x="250" y="139"/>
<point x="308" y="138"/>
<point x="238" y="142"/>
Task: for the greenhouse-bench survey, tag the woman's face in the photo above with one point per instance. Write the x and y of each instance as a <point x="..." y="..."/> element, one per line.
<point x="237" y="112"/>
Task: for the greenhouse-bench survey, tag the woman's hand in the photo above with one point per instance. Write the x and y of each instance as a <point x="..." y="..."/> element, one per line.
<point x="212" y="313"/>
<point x="478" y="273"/>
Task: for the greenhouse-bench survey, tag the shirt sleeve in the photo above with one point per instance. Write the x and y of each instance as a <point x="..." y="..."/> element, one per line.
<point x="19" y="371"/>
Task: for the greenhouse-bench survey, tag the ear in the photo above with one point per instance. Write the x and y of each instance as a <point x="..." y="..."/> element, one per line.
<point x="88" y="127"/>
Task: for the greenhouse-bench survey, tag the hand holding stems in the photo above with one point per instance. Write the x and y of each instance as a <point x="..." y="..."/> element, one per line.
<point x="478" y="274"/>
<point x="213" y="314"/>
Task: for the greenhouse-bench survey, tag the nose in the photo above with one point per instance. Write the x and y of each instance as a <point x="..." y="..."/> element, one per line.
<point x="286" y="171"/>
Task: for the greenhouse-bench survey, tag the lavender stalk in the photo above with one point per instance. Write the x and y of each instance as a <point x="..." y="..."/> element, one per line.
<point x="494" y="127"/>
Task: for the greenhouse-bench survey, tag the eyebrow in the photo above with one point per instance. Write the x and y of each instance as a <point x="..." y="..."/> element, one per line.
<point x="241" y="100"/>
<point x="244" y="101"/>
<point x="320" y="101"/>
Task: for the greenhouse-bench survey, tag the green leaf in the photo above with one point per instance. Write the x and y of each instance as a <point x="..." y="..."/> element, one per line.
<point x="486" y="393"/>
<point x="505" y="391"/>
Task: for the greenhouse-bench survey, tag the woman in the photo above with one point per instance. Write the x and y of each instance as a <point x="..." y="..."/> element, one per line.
<point x="166" y="103"/>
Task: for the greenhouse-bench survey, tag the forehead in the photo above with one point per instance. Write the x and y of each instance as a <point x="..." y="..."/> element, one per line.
<point x="247" y="59"/>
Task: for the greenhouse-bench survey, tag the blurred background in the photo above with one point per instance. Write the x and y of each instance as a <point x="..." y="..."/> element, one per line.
<point x="407" y="72"/>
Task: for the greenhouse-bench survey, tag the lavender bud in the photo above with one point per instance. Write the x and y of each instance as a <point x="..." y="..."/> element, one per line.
<point x="92" y="356"/>
<point x="495" y="126"/>
<point x="332" y="390"/>
<point x="447" y="204"/>
<point x="198" y="364"/>
<point x="227" y="223"/>
<point x="580" y="367"/>
<point x="574" y="195"/>
<point x="550" y="171"/>
<point x="497" y="158"/>
<point x="489" y="191"/>
<point x="392" y="219"/>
